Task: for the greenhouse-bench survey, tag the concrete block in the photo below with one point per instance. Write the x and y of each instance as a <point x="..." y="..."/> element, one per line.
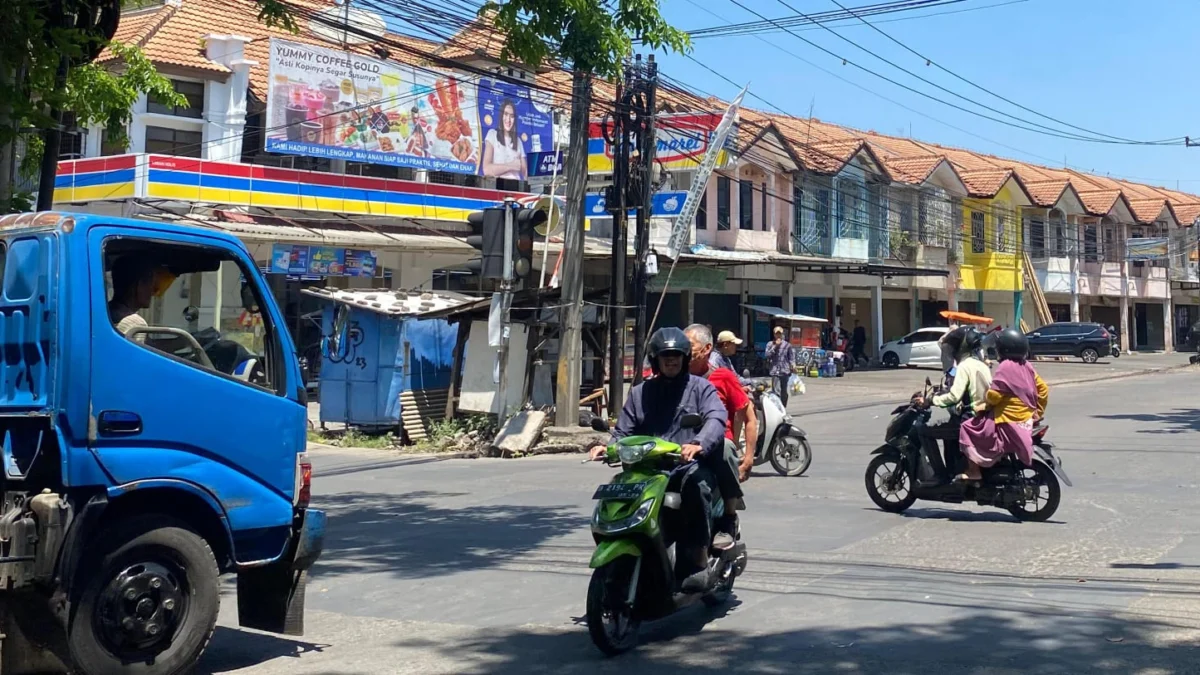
<point x="520" y="433"/>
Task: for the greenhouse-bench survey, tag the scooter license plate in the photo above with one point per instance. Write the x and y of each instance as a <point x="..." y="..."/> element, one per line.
<point x="619" y="491"/>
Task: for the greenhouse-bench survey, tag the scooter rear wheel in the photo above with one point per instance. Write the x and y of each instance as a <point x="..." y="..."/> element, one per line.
<point x="610" y="624"/>
<point x="1047" y="495"/>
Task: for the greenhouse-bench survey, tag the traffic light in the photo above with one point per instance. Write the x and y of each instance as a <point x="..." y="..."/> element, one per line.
<point x="488" y="236"/>
<point x="526" y="222"/>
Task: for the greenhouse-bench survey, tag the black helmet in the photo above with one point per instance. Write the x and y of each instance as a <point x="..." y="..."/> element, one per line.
<point x="963" y="341"/>
<point x="1011" y="345"/>
<point x="669" y="340"/>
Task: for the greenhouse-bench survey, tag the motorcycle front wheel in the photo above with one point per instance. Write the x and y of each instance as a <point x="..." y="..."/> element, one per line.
<point x="888" y="484"/>
<point x="791" y="456"/>
<point x="609" y="617"/>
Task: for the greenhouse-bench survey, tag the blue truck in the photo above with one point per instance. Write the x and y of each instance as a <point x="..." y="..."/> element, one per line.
<point x="153" y="421"/>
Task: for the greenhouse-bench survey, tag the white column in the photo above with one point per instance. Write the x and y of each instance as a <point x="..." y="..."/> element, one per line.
<point x="225" y="102"/>
<point x="837" y="300"/>
<point x="1126" y="341"/>
<point x="1168" y="309"/>
<point x="1077" y="228"/>
<point x="876" y="318"/>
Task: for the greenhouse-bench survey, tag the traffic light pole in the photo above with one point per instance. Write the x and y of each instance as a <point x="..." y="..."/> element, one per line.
<point x="646" y="148"/>
<point x="506" y="284"/>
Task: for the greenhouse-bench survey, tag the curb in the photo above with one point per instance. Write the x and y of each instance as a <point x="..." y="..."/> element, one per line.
<point x="394" y="453"/>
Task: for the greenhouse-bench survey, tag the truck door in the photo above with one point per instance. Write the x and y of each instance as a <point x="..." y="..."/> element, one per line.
<point x="200" y="389"/>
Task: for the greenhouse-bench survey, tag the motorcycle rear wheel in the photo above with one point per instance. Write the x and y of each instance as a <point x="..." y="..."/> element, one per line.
<point x="798" y="459"/>
<point x="883" y="468"/>
<point x="612" y="628"/>
<point x="1045" y="507"/>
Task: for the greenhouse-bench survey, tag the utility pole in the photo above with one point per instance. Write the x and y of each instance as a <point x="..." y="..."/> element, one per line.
<point x="646" y="102"/>
<point x="570" y="344"/>
<point x="506" y="285"/>
<point x="617" y="205"/>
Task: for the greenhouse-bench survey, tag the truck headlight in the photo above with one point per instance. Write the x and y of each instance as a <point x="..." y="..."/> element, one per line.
<point x="627" y="523"/>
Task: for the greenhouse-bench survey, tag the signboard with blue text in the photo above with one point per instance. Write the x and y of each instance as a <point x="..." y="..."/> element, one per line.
<point x="663" y="205"/>
<point x="322" y="261"/>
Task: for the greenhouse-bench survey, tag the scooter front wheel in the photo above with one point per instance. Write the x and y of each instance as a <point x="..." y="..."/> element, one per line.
<point x="888" y="484"/>
<point x="609" y="616"/>
<point x="791" y="456"/>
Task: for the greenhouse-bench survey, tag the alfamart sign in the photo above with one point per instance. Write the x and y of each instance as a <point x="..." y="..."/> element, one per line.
<point x="681" y="142"/>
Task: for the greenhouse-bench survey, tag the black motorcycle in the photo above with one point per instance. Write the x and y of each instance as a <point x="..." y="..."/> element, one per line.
<point x="900" y="471"/>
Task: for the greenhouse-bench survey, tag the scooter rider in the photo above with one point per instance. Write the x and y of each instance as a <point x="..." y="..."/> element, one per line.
<point x="656" y="408"/>
<point x="971" y="381"/>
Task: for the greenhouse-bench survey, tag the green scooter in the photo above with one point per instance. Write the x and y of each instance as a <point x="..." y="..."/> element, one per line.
<point x="635" y="523"/>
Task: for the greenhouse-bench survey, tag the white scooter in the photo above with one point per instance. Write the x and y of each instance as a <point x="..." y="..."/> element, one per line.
<point x="780" y="442"/>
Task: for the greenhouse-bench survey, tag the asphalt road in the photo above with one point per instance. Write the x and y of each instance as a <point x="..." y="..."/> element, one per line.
<point x="480" y="566"/>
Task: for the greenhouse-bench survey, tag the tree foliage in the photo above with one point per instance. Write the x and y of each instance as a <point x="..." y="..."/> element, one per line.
<point x="31" y="84"/>
<point x="584" y="34"/>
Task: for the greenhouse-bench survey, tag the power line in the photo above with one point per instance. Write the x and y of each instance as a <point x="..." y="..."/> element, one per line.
<point x="937" y="65"/>
<point x="1048" y="131"/>
<point x="877" y="9"/>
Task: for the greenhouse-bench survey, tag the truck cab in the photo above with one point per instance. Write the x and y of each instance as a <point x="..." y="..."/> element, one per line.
<point x="153" y="418"/>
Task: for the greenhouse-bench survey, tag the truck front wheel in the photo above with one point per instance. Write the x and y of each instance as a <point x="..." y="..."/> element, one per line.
<point x="146" y="602"/>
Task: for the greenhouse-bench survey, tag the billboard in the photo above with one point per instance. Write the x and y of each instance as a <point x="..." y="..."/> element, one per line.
<point x="333" y="104"/>
<point x="324" y="261"/>
<point x="680" y="142"/>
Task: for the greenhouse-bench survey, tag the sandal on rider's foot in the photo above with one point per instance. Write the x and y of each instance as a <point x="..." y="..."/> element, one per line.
<point x="964" y="478"/>
<point x="723" y="541"/>
<point x="696" y="583"/>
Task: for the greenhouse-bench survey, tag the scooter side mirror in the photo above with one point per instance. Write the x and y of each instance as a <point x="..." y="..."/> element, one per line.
<point x="692" y="421"/>
<point x="599" y="424"/>
<point x="746" y="372"/>
<point x="928" y="383"/>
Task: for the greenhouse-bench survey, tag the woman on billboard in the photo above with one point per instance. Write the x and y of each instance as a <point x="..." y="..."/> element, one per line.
<point x="503" y="153"/>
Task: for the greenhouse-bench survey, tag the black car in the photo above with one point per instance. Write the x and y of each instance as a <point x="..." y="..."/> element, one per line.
<point x="1088" y="341"/>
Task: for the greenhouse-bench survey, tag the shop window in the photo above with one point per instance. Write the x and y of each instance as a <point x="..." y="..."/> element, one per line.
<point x="702" y="212"/>
<point x="978" y="233"/>
<point x="723" y="202"/>
<point x="745" y="205"/>
<point x="177" y="142"/>
<point x="379" y="171"/>
<point x="193" y="108"/>
<point x="110" y="146"/>
<point x="449" y="178"/>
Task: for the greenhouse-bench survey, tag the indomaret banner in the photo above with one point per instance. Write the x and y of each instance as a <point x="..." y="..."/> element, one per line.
<point x="335" y="104"/>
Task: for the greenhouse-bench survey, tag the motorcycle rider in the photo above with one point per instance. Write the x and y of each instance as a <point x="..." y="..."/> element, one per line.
<point x="740" y="410"/>
<point x="656" y="408"/>
<point x="971" y="381"/>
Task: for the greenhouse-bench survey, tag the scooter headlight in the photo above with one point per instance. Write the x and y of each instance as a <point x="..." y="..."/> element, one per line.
<point x="632" y="454"/>
<point x="628" y="523"/>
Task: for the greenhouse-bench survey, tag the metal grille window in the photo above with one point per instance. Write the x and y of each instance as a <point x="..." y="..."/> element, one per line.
<point x="1037" y="239"/>
<point x="1000" y="228"/>
<point x="978" y="233"/>
<point x="1091" y="251"/>
<point x="765" y="224"/>
<point x="745" y="205"/>
<point x="798" y="212"/>
<point x="1060" y="235"/>
<point x="723" y="203"/>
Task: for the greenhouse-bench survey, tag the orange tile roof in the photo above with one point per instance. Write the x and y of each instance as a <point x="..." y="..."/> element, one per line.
<point x="985" y="182"/>
<point x="1046" y="192"/>
<point x="1099" y="202"/>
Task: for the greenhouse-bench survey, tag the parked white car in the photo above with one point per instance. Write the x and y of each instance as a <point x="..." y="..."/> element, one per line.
<point x="918" y="348"/>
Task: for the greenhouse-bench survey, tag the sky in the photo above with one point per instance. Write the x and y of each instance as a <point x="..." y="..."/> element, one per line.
<point x="1125" y="68"/>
